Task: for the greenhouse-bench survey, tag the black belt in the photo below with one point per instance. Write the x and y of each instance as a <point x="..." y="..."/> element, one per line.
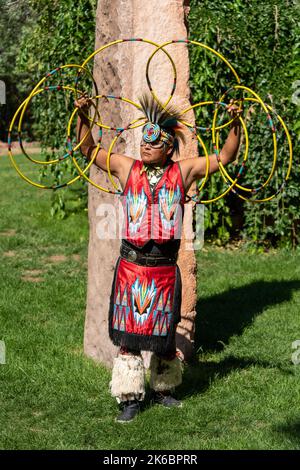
<point x="146" y="259"/>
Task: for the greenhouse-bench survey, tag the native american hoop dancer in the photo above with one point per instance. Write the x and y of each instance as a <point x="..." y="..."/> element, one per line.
<point x="145" y="299"/>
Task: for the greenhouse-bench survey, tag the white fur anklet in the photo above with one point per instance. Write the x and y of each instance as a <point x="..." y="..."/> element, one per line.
<point x="165" y="375"/>
<point x="128" y="378"/>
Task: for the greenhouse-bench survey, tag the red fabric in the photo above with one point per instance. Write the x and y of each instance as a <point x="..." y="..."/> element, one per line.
<point x="143" y="299"/>
<point x="153" y="215"/>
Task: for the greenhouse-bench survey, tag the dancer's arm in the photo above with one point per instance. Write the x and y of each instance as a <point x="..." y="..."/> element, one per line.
<point x="195" y="168"/>
<point x="118" y="163"/>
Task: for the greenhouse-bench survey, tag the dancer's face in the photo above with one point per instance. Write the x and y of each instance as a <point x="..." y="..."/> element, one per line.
<point x="155" y="153"/>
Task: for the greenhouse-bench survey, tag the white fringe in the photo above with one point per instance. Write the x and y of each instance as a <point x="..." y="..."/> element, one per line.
<point x="128" y="378"/>
<point x="165" y="375"/>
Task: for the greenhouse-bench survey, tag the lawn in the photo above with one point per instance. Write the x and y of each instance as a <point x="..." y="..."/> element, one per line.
<point x="242" y="390"/>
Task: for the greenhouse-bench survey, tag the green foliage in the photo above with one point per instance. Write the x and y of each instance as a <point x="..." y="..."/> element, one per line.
<point x="63" y="32"/>
<point x="261" y="40"/>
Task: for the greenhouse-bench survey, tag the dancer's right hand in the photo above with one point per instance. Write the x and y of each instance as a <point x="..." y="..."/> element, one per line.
<point x="83" y="103"/>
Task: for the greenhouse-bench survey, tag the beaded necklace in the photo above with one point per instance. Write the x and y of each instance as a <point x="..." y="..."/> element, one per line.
<point x="153" y="173"/>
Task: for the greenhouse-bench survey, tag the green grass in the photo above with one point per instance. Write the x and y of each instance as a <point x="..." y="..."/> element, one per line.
<point x="241" y="391"/>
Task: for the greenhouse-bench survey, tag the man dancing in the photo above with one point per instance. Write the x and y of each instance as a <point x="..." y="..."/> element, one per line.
<point x="145" y="299"/>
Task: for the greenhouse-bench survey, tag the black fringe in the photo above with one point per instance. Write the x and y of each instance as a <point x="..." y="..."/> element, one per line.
<point x="157" y="344"/>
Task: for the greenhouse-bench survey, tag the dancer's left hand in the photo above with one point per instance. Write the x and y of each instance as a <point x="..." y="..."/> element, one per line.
<point x="234" y="109"/>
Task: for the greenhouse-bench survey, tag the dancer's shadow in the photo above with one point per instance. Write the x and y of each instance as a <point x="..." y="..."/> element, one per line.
<point x="292" y="430"/>
<point x="222" y="316"/>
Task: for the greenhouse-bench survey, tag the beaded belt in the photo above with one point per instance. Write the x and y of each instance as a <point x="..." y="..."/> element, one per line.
<point x="143" y="259"/>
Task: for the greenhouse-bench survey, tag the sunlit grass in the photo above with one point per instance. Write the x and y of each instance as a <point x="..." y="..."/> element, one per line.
<point x="241" y="392"/>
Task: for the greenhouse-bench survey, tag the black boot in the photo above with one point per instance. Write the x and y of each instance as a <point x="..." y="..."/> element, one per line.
<point x="129" y="410"/>
<point x="166" y="399"/>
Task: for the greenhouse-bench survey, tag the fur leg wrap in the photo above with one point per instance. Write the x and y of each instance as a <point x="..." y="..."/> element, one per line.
<point x="165" y="375"/>
<point x="128" y="378"/>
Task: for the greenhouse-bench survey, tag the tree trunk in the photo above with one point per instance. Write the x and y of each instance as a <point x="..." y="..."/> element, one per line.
<point x="120" y="71"/>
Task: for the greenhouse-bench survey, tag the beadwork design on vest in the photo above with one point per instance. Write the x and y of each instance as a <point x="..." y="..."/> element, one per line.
<point x="136" y="209"/>
<point x="169" y="201"/>
<point x="156" y="214"/>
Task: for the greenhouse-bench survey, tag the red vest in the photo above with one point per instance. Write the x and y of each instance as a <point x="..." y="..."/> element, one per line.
<point x="153" y="215"/>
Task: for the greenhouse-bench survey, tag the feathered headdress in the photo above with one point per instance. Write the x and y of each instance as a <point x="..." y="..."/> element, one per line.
<point x="162" y="122"/>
